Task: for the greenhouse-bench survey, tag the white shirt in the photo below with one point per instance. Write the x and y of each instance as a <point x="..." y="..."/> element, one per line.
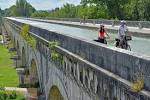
<point x="122" y="31"/>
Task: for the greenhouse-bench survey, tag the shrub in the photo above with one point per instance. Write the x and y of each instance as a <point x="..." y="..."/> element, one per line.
<point x="54" y="54"/>
<point x="138" y="83"/>
<point x="31" y="41"/>
<point x="10" y="95"/>
<point x="13" y="95"/>
<point x="137" y="86"/>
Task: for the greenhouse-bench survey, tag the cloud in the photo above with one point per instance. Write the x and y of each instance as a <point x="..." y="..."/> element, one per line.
<point x="40" y="4"/>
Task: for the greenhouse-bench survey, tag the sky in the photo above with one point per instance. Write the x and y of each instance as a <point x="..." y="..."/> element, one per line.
<point x="39" y="4"/>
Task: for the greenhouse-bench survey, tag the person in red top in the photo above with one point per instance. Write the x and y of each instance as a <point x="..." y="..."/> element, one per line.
<point x="101" y="34"/>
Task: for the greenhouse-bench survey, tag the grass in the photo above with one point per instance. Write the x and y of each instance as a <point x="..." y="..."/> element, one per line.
<point x="8" y="74"/>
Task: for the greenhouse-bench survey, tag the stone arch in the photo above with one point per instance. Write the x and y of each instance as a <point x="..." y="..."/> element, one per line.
<point x="33" y="72"/>
<point x="23" y="57"/>
<point x="55" y="94"/>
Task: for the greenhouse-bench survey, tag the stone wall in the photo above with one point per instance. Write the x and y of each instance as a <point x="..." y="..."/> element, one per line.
<point x="98" y="69"/>
<point x="139" y="24"/>
<point x="120" y="62"/>
<point x="136" y="33"/>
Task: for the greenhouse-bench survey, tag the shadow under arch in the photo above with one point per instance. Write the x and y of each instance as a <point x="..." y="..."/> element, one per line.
<point x="14" y="42"/>
<point x="55" y="94"/>
<point x="24" y="65"/>
<point x="33" y="72"/>
<point x="23" y="57"/>
<point x="17" y="47"/>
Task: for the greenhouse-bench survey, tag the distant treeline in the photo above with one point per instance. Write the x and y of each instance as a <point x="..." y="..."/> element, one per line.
<point x="106" y="9"/>
<point x="90" y="9"/>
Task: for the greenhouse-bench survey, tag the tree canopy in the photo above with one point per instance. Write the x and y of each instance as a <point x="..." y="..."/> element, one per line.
<point x="91" y="9"/>
<point x="124" y="9"/>
<point x="22" y="8"/>
<point x="107" y="9"/>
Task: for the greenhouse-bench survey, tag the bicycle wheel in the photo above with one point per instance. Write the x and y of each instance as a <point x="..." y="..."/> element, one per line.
<point x="105" y="41"/>
<point x="128" y="47"/>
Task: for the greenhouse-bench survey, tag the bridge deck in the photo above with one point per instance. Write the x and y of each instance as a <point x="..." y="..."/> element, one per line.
<point x="131" y="29"/>
<point x="88" y="34"/>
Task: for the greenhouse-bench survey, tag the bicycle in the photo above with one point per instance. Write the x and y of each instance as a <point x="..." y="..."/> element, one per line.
<point x="124" y="44"/>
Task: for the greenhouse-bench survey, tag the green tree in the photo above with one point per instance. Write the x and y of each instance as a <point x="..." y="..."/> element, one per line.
<point x="23" y="8"/>
<point x="10" y="11"/>
<point x="1" y="12"/>
<point x="91" y="9"/>
<point x="114" y="7"/>
<point x="138" y="9"/>
<point x="68" y="11"/>
<point x="40" y="14"/>
<point x="147" y="11"/>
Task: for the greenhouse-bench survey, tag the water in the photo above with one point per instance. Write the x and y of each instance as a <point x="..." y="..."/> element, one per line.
<point x="139" y="45"/>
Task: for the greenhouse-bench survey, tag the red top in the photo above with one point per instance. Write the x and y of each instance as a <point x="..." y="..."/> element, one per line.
<point x="101" y="35"/>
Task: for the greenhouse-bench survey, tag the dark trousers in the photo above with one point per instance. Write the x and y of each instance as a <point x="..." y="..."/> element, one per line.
<point x="102" y="40"/>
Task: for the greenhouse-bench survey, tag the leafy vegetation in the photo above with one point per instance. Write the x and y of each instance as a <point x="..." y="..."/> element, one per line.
<point x="138" y="83"/>
<point x="10" y="95"/>
<point x="40" y="14"/>
<point x="7" y="67"/>
<point x="91" y="9"/>
<point x="54" y="54"/>
<point x="31" y="41"/>
<point x="1" y="12"/>
<point x="105" y="9"/>
<point x="71" y="11"/>
<point x="52" y="46"/>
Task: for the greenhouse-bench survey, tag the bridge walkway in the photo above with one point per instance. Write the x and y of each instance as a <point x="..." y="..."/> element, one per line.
<point x="132" y="29"/>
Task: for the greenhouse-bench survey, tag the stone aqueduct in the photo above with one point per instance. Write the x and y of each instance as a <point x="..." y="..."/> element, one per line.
<point x="89" y="71"/>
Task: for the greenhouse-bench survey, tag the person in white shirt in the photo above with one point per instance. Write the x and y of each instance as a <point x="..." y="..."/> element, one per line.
<point x="122" y="32"/>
